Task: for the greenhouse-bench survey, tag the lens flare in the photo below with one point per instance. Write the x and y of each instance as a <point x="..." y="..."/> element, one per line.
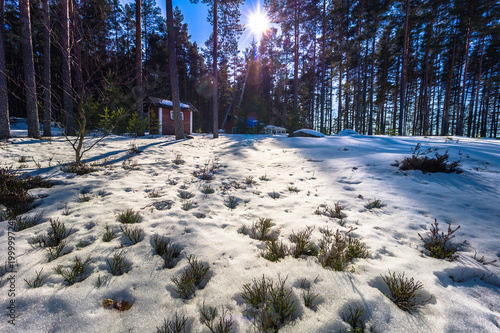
<point x="258" y="23"/>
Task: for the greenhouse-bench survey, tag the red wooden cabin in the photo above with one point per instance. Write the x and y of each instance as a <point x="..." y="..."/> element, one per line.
<point x="162" y="111"/>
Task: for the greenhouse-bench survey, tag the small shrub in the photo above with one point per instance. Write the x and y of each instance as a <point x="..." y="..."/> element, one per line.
<point x="264" y="177"/>
<point x="207" y="171"/>
<point x="117" y="264"/>
<point x="134" y="149"/>
<point x="429" y="165"/>
<point x="37" y="281"/>
<point x="232" y="202"/>
<point x="54" y="236"/>
<point x="133" y="234"/>
<point x="185" y="195"/>
<point x="79" y="169"/>
<point x="209" y="317"/>
<point x="56" y="251"/>
<point x="83" y="197"/>
<point x="438" y="244"/>
<point x="74" y="273"/>
<point x="333" y="212"/>
<point x="354" y="319"/>
<point x="307" y="296"/>
<point x="404" y="291"/>
<point x="275" y="195"/>
<point x="178" y="159"/>
<point x="261" y="230"/>
<point x="25" y="222"/>
<point x="292" y="189"/>
<point x="154" y="193"/>
<point x="271" y="304"/>
<point x="338" y="249"/>
<point x="208" y="189"/>
<point x="482" y="260"/>
<point x="129" y="216"/>
<point x="167" y="250"/>
<point x="175" y="325"/>
<point x="303" y="243"/>
<point x="376" y="203"/>
<point x="191" y="278"/>
<point x="275" y="250"/>
<point x="187" y="205"/>
<point x="109" y="234"/>
<point x="249" y="180"/>
<point x="200" y="215"/>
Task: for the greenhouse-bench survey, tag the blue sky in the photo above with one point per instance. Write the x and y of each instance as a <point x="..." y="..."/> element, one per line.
<point x="196" y="18"/>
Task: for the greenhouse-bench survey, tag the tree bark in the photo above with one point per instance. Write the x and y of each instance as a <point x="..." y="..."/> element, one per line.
<point x="460" y="121"/>
<point x="138" y="65"/>
<point x="4" y="104"/>
<point x="296" y="60"/>
<point x="172" y="59"/>
<point x="47" y="89"/>
<point x="323" y="56"/>
<point x="402" y="91"/>
<point x="66" y="71"/>
<point x="29" y="70"/>
<point x="215" y="77"/>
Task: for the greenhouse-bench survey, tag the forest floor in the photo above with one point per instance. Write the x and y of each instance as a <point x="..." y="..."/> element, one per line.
<point x="292" y="181"/>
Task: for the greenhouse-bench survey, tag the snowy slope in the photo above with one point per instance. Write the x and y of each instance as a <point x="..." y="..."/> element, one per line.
<point x="352" y="170"/>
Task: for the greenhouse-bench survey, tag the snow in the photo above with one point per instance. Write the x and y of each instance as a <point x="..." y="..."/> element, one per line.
<point x="308" y="132"/>
<point x="348" y="169"/>
<point x="347" y="132"/>
<point x="170" y="103"/>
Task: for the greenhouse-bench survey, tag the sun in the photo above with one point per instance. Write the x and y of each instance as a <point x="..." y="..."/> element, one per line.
<point x="258" y="23"/>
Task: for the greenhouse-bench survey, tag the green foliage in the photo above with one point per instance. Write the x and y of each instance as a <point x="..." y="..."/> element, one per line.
<point x="154" y="125"/>
<point x="187" y="205"/>
<point x="54" y="236"/>
<point x="79" y="169"/>
<point x="136" y="124"/>
<point x="169" y="251"/>
<point x="338" y="249"/>
<point x="275" y="250"/>
<point x="117" y="264"/>
<point x="109" y="234"/>
<point x="185" y="195"/>
<point x="438" y="244"/>
<point x="74" y="273"/>
<point x="175" y="325"/>
<point x="232" y="202"/>
<point x="208" y="189"/>
<point x="333" y="212"/>
<point x="112" y="121"/>
<point x="404" y="291"/>
<point x="129" y="216"/>
<point x="133" y="234"/>
<point x="376" y="203"/>
<point x="260" y="230"/>
<point x="270" y="303"/>
<point x="307" y="296"/>
<point x="191" y="278"/>
<point x="209" y="317"/>
<point x="355" y="319"/>
<point x="303" y="243"/>
<point x="24" y="222"/>
<point x="37" y="281"/>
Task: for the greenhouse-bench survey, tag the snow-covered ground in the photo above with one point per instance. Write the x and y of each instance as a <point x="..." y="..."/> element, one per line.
<point x="352" y="170"/>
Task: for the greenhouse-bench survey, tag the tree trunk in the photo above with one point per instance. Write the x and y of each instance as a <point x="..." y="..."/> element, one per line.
<point x="446" y="108"/>
<point x="215" y="77"/>
<point x="358" y="68"/>
<point x="172" y="59"/>
<point x="402" y="91"/>
<point x="323" y="67"/>
<point x="29" y="70"/>
<point x="66" y="71"/>
<point x="339" y="107"/>
<point x="47" y="89"/>
<point x="4" y="105"/>
<point x="370" y="118"/>
<point x="138" y="65"/>
<point x="296" y="60"/>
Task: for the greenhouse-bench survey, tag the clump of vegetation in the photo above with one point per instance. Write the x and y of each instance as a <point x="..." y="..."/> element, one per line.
<point x="187" y="205"/>
<point x="83" y="196"/>
<point x="249" y="180"/>
<point x="37" y="281"/>
<point x="191" y="278"/>
<point x="270" y="303"/>
<point x="185" y="195"/>
<point x="275" y="250"/>
<point x="208" y="189"/>
<point x="303" y="243"/>
<point x="154" y="193"/>
<point x="14" y="186"/>
<point x="55" y="236"/>
<point x="207" y="171"/>
<point x="355" y="319"/>
<point x="209" y="316"/>
<point x="404" y="291"/>
<point x="232" y="202"/>
<point x="375" y="203"/>
<point x="178" y="159"/>
<point x="78" y="168"/>
<point x="133" y="234"/>
<point x="335" y="212"/>
<point x="24" y="222"/>
<point x="109" y="234"/>
<point x="292" y="188"/>
<point x="338" y="249"/>
<point x="166" y="249"/>
<point x="438" y="244"/>
<point x="117" y="264"/>
<point x="264" y="177"/>
<point x="175" y="325"/>
<point x="74" y="273"/>
<point x="307" y="296"/>
<point x="275" y="195"/>
<point x="200" y="215"/>
<point x="129" y="216"/>
<point x="260" y="230"/>
<point x="426" y="164"/>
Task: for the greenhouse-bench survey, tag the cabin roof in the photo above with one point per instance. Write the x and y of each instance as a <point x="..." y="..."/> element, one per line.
<point x="165" y="103"/>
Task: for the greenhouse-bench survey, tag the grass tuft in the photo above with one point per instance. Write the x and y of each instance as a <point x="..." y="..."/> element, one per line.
<point x="175" y="325"/>
<point x="209" y="317"/>
<point x="37" y="280"/>
<point x="185" y="195"/>
<point x="117" y="264"/>
<point x="232" y="202"/>
<point x="74" y="273"/>
<point x="207" y="189"/>
<point x="404" y="291"/>
<point x="191" y="278"/>
<point x="375" y="203"/>
<point x="338" y="249"/>
<point x="129" y="216"/>
<point x="275" y="250"/>
<point x="109" y="234"/>
<point x="355" y="319"/>
<point x="438" y="244"/>
<point x="25" y="222"/>
<point x="54" y="236"/>
<point x="133" y="234"/>
<point x="167" y="250"/>
<point x="426" y="164"/>
<point x="303" y="243"/>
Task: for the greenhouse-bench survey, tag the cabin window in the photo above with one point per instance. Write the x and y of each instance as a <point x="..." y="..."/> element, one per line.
<point x="172" y="115"/>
